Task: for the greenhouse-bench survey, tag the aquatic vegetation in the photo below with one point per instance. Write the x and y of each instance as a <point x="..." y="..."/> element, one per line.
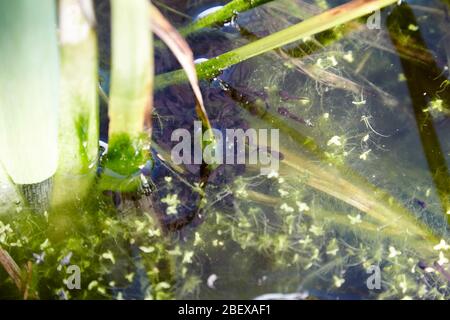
<point x="357" y="210"/>
<point x="365" y="239"/>
<point x="114" y="255"/>
<point x="304" y="29"/>
<point x="222" y="15"/>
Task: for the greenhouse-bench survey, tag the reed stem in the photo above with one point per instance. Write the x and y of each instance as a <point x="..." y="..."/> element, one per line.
<point x="29" y="90"/>
<point x="78" y="122"/>
<point x="340" y="181"/>
<point x="131" y="91"/>
<point x="223" y="15"/>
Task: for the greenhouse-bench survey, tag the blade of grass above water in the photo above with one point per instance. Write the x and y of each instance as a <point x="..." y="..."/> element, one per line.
<point x="11" y="268"/>
<point x="364" y="202"/>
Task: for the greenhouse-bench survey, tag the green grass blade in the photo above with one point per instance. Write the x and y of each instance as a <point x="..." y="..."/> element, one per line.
<point x="224" y="14"/>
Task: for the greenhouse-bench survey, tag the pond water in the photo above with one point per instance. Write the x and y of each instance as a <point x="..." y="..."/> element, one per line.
<point x="357" y="210"/>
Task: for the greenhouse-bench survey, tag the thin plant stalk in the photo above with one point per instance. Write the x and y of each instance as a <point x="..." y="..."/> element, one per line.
<point x="310" y="27"/>
<point x="78" y="121"/>
<point x="420" y="79"/>
<point x="222" y="15"/>
<point x="29" y="91"/>
<point x="131" y="93"/>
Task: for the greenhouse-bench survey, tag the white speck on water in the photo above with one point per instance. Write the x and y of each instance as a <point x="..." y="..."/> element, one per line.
<point x="335" y="140"/>
<point x="211" y="280"/>
<point x="207" y="12"/>
<point x="200" y="60"/>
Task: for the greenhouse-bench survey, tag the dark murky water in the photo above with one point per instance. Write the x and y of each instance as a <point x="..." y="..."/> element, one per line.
<point x="365" y="105"/>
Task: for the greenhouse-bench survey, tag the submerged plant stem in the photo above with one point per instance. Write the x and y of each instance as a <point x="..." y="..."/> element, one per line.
<point x="224" y="14"/>
<point x="312" y="26"/>
<point x="29" y="89"/>
<point x="11" y="268"/>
